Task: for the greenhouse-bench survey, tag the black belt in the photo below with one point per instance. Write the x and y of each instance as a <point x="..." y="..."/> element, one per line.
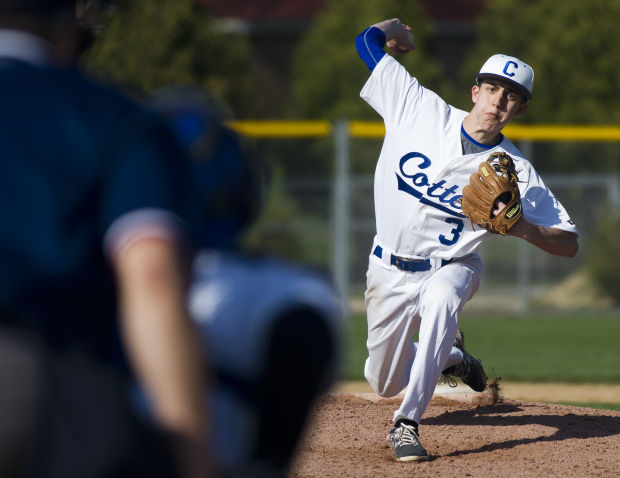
<point x="408" y="265"/>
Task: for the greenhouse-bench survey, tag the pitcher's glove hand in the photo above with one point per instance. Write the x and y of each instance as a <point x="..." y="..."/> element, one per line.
<point x="494" y="184"/>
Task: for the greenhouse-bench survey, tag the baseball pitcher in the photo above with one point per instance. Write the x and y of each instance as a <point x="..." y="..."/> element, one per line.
<point x="445" y="181"/>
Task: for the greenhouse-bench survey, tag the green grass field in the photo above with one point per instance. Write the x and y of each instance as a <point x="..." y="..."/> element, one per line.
<point x="558" y="348"/>
<point x="602" y="406"/>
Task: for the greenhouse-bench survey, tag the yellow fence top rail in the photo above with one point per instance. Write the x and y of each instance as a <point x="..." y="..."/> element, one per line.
<point x="563" y="132"/>
<point x="282" y="129"/>
<point x="375" y="129"/>
<point x="366" y="129"/>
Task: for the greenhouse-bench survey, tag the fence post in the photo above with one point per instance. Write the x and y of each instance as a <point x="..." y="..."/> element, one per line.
<point x="614" y="192"/>
<point x="341" y="212"/>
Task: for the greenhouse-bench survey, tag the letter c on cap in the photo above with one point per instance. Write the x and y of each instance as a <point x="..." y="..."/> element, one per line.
<point x="507" y="65"/>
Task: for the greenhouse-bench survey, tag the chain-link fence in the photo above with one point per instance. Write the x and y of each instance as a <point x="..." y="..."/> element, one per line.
<point x="319" y="209"/>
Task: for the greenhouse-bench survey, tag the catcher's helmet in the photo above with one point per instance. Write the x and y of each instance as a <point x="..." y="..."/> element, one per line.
<point x="229" y="182"/>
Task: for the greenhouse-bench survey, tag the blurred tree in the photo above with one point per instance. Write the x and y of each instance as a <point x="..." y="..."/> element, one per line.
<point x="572" y="47"/>
<point x="271" y="233"/>
<point x="147" y="45"/>
<point x="327" y="72"/>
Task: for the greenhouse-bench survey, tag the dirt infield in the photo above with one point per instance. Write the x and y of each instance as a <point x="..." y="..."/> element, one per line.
<point x="530" y="391"/>
<point x="477" y="435"/>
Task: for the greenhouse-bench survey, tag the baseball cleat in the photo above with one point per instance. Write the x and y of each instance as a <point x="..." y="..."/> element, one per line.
<point x="470" y="370"/>
<point x="406" y="443"/>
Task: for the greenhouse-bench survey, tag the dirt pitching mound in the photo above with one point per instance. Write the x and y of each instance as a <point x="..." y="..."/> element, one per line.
<point x="477" y="435"/>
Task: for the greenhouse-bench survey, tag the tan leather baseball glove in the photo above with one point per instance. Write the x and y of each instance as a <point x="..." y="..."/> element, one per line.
<point x="495" y="182"/>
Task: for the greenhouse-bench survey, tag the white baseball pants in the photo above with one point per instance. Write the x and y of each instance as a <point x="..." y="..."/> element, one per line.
<point x="398" y="305"/>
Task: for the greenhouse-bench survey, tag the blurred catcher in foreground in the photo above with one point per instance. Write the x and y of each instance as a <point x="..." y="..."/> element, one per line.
<point x="94" y="244"/>
<point x="271" y="327"/>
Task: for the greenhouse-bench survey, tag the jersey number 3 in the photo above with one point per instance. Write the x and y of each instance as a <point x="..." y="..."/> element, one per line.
<point x="456" y="232"/>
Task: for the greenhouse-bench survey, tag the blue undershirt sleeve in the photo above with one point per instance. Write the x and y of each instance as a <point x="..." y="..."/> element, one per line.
<point x="369" y="45"/>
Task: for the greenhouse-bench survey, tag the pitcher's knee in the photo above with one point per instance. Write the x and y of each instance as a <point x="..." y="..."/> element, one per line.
<point x="385" y="388"/>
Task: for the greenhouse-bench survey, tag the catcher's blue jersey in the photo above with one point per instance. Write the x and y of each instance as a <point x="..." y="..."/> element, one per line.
<point x="74" y="157"/>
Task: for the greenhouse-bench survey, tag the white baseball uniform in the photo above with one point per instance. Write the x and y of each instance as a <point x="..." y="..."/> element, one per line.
<point x="235" y="301"/>
<point x="418" y="181"/>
